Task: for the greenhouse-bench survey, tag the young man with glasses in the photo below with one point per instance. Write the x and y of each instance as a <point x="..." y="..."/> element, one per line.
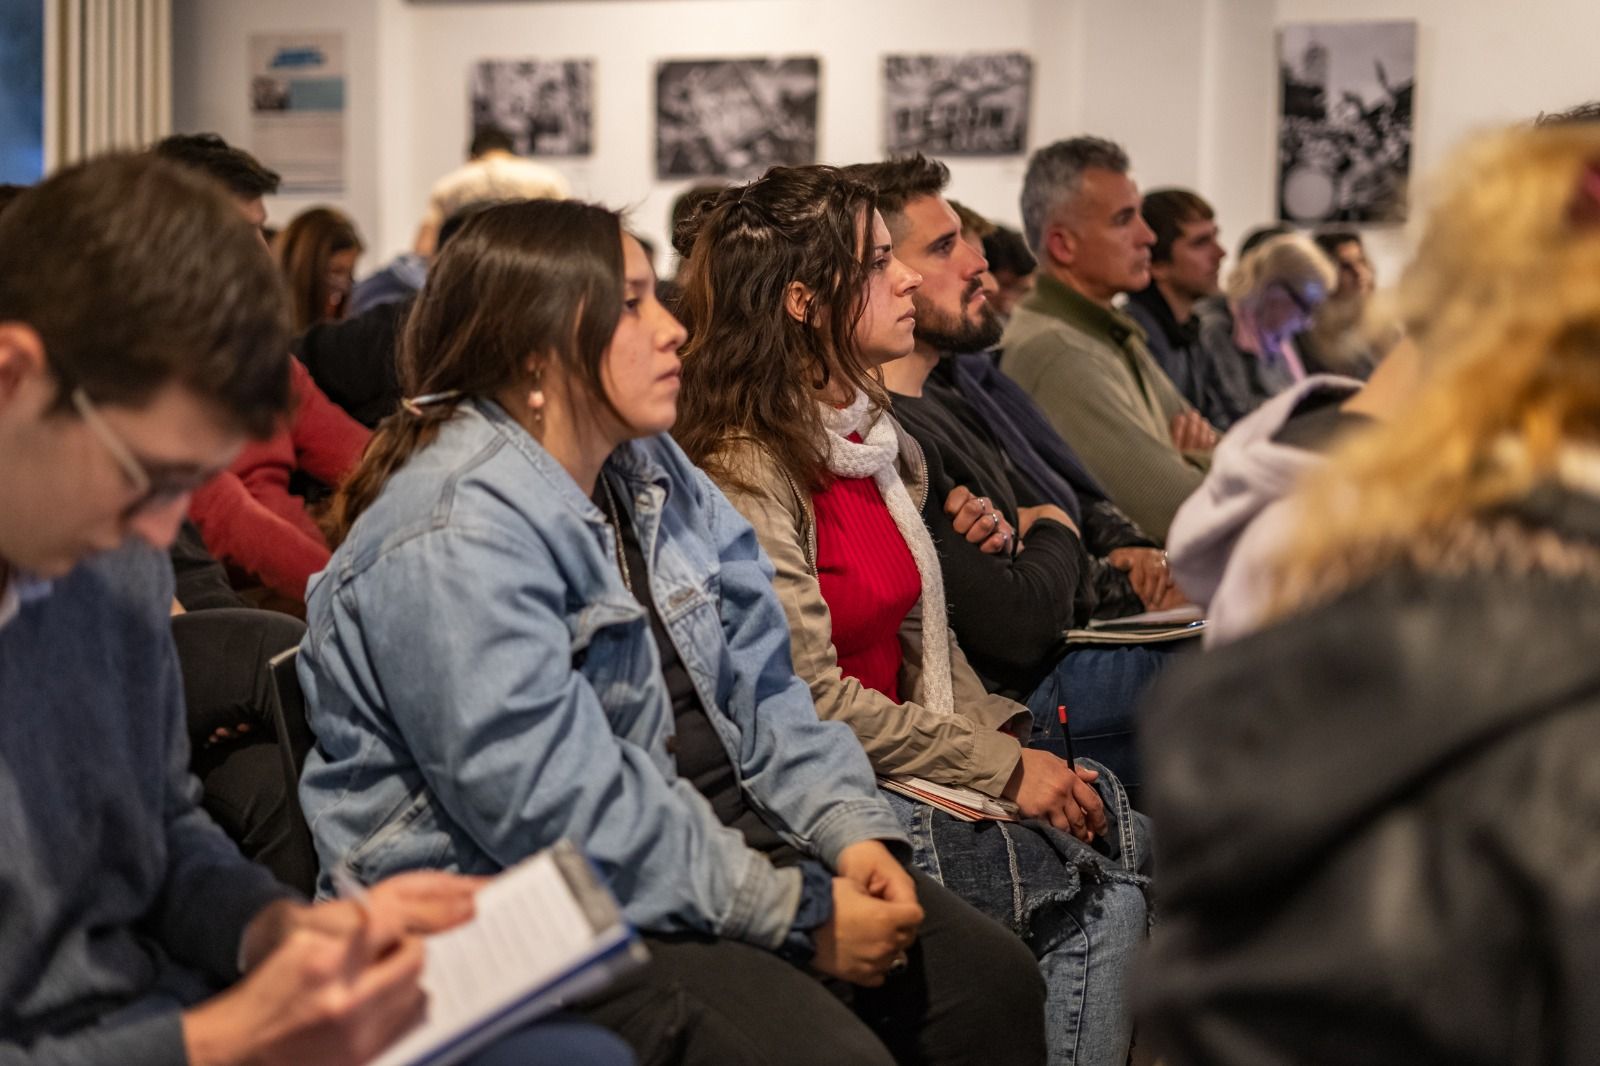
<point x="142" y="340"/>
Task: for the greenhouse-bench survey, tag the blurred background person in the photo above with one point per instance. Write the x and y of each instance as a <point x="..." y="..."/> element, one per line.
<point x="317" y="252"/>
<point x="1248" y="332"/>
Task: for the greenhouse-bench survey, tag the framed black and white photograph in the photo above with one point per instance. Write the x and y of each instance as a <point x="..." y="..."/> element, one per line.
<point x="1345" y="120"/>
<point x="957" y="105"/>
<point x="734" y="118"/>
<point x="547" y="105"/>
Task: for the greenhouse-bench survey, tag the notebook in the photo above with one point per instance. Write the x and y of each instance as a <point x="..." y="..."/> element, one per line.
<point x="1151" y="627"/>
<point x="967" y="804"/>
<point x="546" y="932"/>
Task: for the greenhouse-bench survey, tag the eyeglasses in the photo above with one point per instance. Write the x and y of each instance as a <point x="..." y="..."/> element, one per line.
<point x="149" y="491"/>
<point x="1306" y="307"/>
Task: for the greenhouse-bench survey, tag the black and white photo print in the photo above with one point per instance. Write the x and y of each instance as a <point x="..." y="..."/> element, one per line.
<point x="734" y="118"/>
<point x="957" y="105"/>
<point x="547" y="105"/>
<point x="1344" y="133"/>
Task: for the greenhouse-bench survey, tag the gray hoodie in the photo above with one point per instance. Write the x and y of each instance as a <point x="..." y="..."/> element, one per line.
<point x="1238" y="517"/>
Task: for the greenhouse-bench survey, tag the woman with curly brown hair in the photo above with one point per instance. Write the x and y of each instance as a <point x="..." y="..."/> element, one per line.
<point x="793" y="299"/>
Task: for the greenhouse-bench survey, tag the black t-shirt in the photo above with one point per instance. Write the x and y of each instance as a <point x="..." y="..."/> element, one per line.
<point x="701" y="758"/>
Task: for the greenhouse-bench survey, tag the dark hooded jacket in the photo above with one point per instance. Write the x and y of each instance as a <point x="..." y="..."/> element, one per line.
<point x="1379" y="825"/>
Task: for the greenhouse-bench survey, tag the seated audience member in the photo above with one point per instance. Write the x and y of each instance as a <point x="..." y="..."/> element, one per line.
<point x="1241" y="516"/>
<point x="1339" y="339"/>
<point x="141" y="339"/>
<point x="1249" y="332"/>
<point x="223" y="659"/>
<point x="1057" y="583"/>
<point x="544" y="623"/>
<point x="354" y="361"/>
<point x="1084" y="361"/>
<point x="794" y="299"/>
<point x="1185" y="268"/>
<point x="247" y="515"/>
<point x="317" y="252"/>
<point x="492" y="173"/>
<point x="1012" y="266"/>
<point x="1403" y="856"/>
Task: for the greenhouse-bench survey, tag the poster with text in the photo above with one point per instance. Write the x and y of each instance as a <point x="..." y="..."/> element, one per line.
<point x="957" y="105"/>
<point x="297" y="103"/>
<point x="1345" y="119"/>
<point x="734" y="118"/>
<point x="546" y="105"/>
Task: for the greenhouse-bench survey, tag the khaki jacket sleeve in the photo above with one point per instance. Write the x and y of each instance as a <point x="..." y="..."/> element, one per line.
<point x="965" y="748"/>
<point x="1096" y="409"/>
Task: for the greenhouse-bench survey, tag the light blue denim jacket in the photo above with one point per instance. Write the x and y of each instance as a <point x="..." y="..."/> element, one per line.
<point x="482" y="684"/>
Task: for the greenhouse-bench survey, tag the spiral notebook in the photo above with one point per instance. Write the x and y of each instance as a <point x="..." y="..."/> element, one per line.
<point x="546" y="932"/>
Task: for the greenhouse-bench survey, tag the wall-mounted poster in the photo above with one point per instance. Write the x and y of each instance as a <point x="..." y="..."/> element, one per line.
<point x="734" y="118"/>
<point x="1344" y="133"/>
<point x="957" y="104"/>
<point x="547" y="105"/>
<point x="297" y="108"/>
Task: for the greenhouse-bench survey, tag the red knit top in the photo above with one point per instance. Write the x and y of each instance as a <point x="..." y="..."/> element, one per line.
<point x="869" y="581"/>
<point x="247" y="516"/>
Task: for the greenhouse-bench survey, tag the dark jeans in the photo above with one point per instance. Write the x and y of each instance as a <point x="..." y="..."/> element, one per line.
<point x="223" y="654"/>
<point x="972" y="994"/>
<point x="1101" y="687"/>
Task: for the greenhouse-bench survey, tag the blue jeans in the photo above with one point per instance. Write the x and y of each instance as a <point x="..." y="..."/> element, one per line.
<point x="1080" y="910"/>
<point x="1101" y="687"/>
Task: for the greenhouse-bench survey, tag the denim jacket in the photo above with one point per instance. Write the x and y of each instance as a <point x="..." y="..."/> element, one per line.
<point x="482" y="684"/>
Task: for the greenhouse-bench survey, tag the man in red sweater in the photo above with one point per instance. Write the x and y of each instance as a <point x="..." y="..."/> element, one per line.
<point x="247" y="516"/>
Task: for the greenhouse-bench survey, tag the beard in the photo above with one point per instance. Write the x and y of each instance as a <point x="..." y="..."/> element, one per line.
<point x="957" y="334"/>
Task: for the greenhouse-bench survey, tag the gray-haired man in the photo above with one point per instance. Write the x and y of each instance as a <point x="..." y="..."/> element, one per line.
<point x="1084" y="361"/>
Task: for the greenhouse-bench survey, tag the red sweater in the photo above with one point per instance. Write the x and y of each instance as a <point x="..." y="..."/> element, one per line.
<point x="247" y="515"/>
<point x="869" y="581"/>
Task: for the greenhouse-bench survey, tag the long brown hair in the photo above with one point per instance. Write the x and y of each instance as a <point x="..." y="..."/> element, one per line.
<point x="524" y="279"/>
<point x="750" y="370"/>
<point x="305" y="246"/>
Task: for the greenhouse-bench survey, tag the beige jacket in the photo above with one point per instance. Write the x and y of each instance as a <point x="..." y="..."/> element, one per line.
<point x="964" y="748"/>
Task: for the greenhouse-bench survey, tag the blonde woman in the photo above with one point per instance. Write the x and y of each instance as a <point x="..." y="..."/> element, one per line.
<point x="1248" y="332"/>
<point x="1399" y="826"/>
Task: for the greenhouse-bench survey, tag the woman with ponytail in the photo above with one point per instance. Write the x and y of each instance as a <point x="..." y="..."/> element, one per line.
<point x="794" y="299"/>
<point x="544" y="623"/>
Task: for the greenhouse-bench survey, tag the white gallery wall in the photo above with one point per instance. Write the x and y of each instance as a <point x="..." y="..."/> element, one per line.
<point x="1188" y="86"/>
<point x="1170" y="79"/>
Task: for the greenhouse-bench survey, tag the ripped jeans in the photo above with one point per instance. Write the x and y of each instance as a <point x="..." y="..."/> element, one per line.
<point x="1080" y="909"/>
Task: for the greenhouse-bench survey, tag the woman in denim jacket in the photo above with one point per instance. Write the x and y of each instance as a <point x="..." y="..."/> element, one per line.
<point x="784" y="406"/>
<point x="543" y="622"/>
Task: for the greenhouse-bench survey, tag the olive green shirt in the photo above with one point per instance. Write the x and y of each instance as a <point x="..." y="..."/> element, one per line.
<point x="1088" y="368"/>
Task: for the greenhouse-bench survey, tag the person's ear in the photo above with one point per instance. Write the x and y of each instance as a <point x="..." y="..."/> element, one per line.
<point x="1060" y="244"/>
<point x="21" y="358"/>
<point x="797" y="301"/>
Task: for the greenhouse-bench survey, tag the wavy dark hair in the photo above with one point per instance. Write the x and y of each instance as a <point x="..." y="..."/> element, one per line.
<point x="533" y="277"/>
<point x="751" y="372"/>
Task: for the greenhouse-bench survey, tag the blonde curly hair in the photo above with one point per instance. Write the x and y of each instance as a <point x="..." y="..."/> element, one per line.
<point x="1503" y="302"/>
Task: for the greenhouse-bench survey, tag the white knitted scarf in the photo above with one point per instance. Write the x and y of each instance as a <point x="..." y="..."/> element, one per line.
<point x="875" y="457"/>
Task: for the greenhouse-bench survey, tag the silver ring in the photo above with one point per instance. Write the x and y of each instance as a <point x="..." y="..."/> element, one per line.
<point x="994" y="516"/>
<point x="900" y="963"/>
